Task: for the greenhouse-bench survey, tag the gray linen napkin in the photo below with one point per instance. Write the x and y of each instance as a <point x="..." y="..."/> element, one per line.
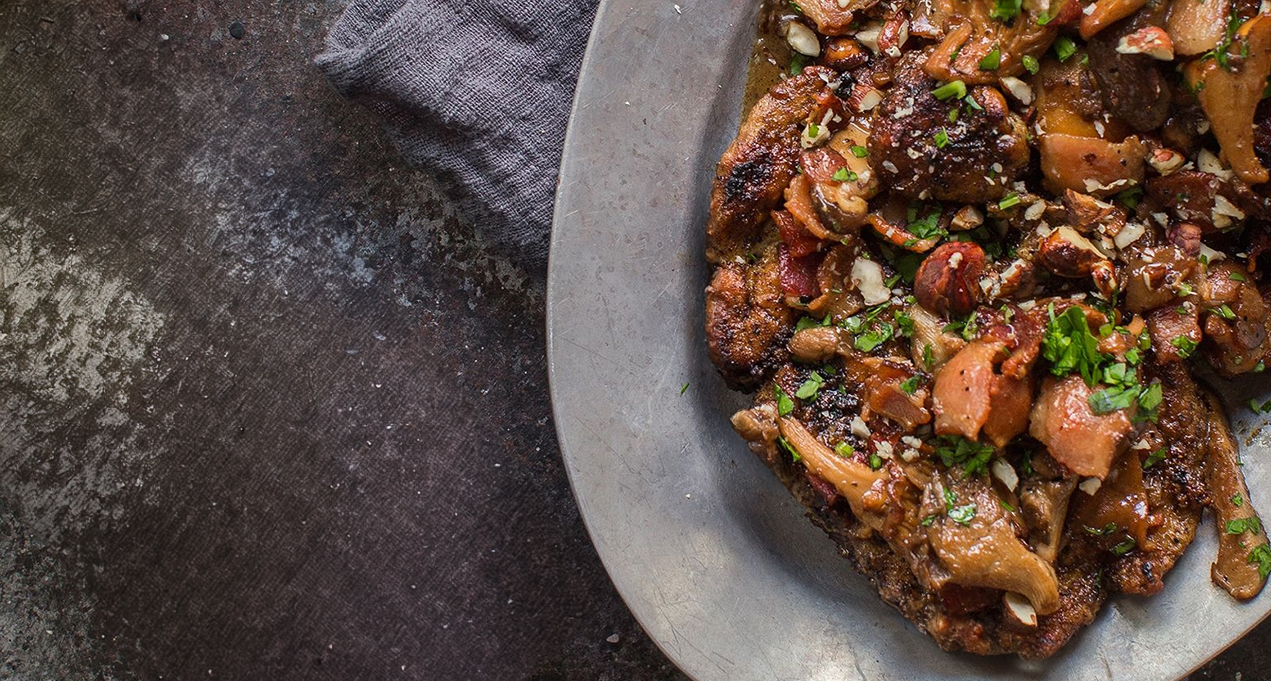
<point x="476" y="92"/>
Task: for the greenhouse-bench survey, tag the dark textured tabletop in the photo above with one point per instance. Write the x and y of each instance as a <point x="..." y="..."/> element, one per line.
<point x="268" y="408"/>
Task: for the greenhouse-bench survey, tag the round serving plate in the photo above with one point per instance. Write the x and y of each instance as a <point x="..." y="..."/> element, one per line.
<point x="709" y="551"/>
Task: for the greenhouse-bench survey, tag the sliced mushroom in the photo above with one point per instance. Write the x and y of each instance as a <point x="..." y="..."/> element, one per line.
<point x="1196" y="27"/>
<point x="975" y="540"/>
<point x="1235" y="569"/>
<point x="851" y="478"/>
<point x="971" y="33"/>
<point x="758" y="427"/>
<point x="1230" y="95"/>
<point x="932" y="346"/>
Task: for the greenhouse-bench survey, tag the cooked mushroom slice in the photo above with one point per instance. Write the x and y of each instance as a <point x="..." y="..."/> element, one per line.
<point x="815" y="344"/>
<point x="1242" y="541"/>
<point x="758" y="427"/>
<point x="1077" y="154"/>
<point x="976" y="541"/>
<point x="971" y="32"/>
<point x="1085" y="442"/>
<point x="754" y="171"/>
<point x="1131" y="83"/>
<point x="1237" y="321"/>
<point x="1153" y="276"/>
<point x="1196" y="27"/>
<point x="880" y="382"/>
<point x="1175" y="333"/>
<point x="851" y="478"/>
<point x="833" y="17"/>
<point x="1229" y="93"/>
<point x="1044" y="505"/>
<point x="932" y="346"/>
<point x="1104" y="13"/>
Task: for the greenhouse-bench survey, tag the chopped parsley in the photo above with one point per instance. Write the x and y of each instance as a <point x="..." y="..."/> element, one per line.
<point x="942" y="138"/>
<point x="1237" y="500"/>
<point x="811" y="322"/>
<point x="952" y="90"/>
<point x="844" y="175"/>
<point x="926" y="227"/>
<point x="1070" y="347"/>
<point x="785" y="444"/>
<point x="906" y="324"/>
<point x="910" y="385"/>
<point x="1155" y="457"/>
<point x="1261" y="556"/>
<point x="1130" y="197"/>
<point x="1124" y="547"/>
<point x="1151" y="398"/>
<point x="973" y="456"/>
<point x="876" y="336"/>
<point x="1064" y="48"/>
<point x="797" y="62"/>
<point x="926" y="522"/>
<point x="785" y="405"/>
<point x="962" y="515"/>
<point x="810" y="387"/>
<point x="1005" y="11"/>
<point x="1242" y="525"/>
<point x="928" y="356"/>
<point x="859" y="152"/>
<point x="993" y="59"/>
<point x="1112" y="399"/>
<point x="814" y="130"/>
<point x="1259" y="408"/>
<point x="1186" y="346"/>
<point x="1030" y="63"/>
<point x="1222" y="53"/>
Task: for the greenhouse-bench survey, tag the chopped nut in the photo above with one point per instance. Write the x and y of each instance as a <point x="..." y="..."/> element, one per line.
<point x="802" y="39"/>
<point x="967" y="218"/>
<point x="1021" y="91"/>
<point x="1166" y="161"/>
<point x="1150" y="40"/>
<point x="1019" y="607"/>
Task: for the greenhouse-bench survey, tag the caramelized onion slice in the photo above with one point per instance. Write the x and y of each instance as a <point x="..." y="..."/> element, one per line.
<point x="1236" y="568"/>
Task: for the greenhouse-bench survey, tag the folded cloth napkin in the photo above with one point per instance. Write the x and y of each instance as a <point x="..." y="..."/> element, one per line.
<point x="477" y="92"/>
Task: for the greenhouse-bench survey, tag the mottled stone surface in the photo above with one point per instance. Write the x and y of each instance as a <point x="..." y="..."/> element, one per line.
<point x="267" y="408"/>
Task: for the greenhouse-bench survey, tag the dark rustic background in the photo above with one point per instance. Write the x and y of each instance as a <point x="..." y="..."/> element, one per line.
<point x="268" y="408"/>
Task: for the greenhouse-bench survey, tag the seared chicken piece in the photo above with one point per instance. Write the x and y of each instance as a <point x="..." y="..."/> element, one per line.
<point x="918" y="152"/>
